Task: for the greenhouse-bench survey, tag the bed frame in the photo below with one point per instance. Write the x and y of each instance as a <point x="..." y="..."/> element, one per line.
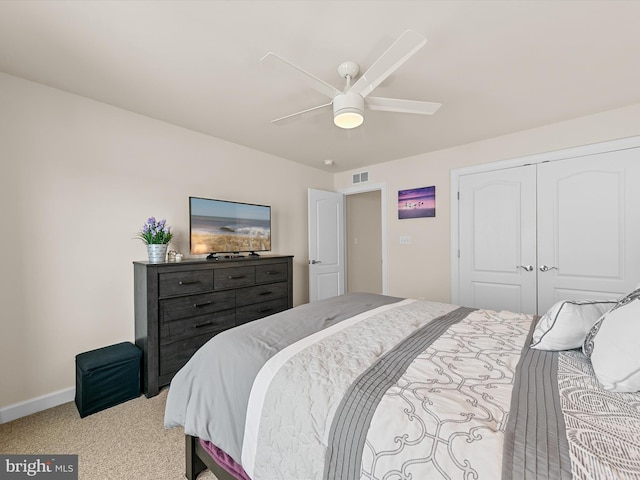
<point x="198" y="460"/>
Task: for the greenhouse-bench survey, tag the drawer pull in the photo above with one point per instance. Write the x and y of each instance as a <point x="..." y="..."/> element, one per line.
<point x="272" y="273"/>
<point x="206" y="324"/>
<point x="265" y="310"/>
<point x="188" y="283"/>
<point x="265" y="293"/>
<point x="197" y="305"/>
<point x="235" y="277"/>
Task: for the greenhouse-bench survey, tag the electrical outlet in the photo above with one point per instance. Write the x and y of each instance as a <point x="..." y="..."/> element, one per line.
<point x="405" y="240"/>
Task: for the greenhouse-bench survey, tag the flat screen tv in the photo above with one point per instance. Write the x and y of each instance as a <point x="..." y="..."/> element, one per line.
<point x="220" y="226"/>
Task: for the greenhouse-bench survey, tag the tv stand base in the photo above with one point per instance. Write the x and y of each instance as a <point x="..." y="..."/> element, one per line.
<point x="215" y="256"/>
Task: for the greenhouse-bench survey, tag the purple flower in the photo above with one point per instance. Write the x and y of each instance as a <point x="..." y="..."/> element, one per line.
<point x="155" y="232"/>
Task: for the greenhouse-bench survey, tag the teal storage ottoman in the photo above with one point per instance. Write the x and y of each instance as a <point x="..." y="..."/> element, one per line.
<point x="106" y="377"/>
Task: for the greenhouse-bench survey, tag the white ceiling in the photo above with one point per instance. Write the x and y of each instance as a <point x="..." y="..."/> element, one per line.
<point x="496" y="66"/>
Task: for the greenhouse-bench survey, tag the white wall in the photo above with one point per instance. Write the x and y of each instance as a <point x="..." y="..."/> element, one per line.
<point x="422" y="269"/>
<point x="78" y="180"/>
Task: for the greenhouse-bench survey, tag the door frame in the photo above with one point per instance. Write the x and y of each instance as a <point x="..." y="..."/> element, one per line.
<point x="382" y="187"/>
<point x="591" y="149"/>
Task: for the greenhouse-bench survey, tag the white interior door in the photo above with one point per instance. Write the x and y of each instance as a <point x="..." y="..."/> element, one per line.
<point x="588" y="227"/>
<point x="326" y="244"/>
<point x="497" y="240"/>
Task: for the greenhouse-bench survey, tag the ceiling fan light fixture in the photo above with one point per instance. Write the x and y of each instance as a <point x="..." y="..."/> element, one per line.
<point x="348" y="104"/>
<point x="347" y="120"/>
<point x="348" y="110"/>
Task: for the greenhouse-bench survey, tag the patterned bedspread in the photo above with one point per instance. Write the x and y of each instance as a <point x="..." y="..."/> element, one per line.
<point x="420" y="390"/>
<point x="424" y="390"/>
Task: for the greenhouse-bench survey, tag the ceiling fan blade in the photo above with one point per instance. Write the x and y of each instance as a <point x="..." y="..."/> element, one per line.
<point x="317" y="84"/>
<point x="399" y="52"/>
<point x="402" y="106"/>
<point x="284" y="120"/>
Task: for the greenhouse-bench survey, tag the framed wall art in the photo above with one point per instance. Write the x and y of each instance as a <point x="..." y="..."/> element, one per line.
<point x="417" y="202"/>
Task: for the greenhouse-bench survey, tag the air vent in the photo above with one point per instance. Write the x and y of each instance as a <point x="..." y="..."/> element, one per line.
<point x="360" y="177"/>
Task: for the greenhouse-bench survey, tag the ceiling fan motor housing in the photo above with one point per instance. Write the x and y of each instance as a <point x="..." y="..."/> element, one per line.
<point x="348" y="110"/>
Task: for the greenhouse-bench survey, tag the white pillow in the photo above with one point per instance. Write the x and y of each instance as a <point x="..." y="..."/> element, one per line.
<point x="614" y="346"/>
<point x="566" y="324"/>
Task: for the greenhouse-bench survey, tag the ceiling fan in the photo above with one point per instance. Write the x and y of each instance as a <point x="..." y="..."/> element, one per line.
<point x="348" y="104"/>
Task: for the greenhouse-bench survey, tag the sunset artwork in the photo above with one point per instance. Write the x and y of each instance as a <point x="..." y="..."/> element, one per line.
<point x="417" y="202"/>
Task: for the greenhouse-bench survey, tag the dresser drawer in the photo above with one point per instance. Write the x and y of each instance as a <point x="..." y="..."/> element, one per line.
<point x="175" y="355"/>
<point x="261" y="293"/>
<point x="276" y="272"/>
<point x="186" y="328"/>
<point x="181" y="283"/>
<point x="234" y="277"/>
<point x="191" y="305"/>
<point x="259" y="310"/>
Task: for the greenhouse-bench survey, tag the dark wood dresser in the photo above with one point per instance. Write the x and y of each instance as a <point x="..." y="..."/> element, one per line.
<point x="179" y="306"/>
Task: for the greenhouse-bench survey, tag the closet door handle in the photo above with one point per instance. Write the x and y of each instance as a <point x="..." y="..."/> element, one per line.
<point x="545" y="268"/>
<point x="526" y="268"/>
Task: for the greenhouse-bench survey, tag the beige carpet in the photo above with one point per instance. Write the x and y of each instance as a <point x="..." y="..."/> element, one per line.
<point x="123" y="442"/>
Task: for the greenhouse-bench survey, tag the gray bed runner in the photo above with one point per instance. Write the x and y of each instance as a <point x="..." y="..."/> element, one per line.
<point x="353" y="417"/>
<point x="536" y="445"/>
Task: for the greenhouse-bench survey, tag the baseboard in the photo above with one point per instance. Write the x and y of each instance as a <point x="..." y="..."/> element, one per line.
<point x="35" y="405"/>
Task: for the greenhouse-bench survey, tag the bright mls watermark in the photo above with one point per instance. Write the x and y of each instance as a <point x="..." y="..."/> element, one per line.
<point x="50" y="467"/>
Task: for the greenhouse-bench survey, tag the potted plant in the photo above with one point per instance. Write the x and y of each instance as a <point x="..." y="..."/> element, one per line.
<point x="156" y="235"/>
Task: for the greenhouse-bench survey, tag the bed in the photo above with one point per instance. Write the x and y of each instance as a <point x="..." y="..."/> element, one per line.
<point x="376" y="387"/>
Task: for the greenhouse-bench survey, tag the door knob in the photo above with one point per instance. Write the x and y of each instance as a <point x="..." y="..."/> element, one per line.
<point x="313" y="262"/>
<point x="526" y="268"/>
<point x="544" y="268"/>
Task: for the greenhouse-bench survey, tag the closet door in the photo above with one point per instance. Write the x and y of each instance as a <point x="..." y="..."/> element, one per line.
<point x="497" y="230"/>
<point x="588" y="227"/>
